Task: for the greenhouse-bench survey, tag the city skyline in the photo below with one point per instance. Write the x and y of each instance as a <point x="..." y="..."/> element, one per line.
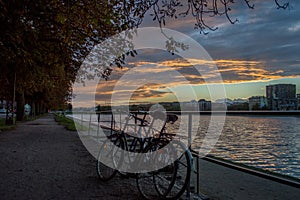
<point x="278" y="97"/>
<point x="230" y="99"/>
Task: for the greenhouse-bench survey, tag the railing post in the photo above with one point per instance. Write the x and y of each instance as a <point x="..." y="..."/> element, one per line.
<point x="135" y="121"/>
<point x="120" y="121"/>
<point x="190" y="123"/>
<point x="90" y="123"/>
<point x="190" y="120"/>
<point x="111" y="124"/>
<point x="198" y="177"/>
<point x="98" y="125"/>
<point x="114" y="124"/>
<point x="98" y="116"/>
<point x="81" y="120"/>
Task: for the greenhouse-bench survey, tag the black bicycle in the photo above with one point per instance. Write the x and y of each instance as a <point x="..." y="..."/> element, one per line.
<point x="154" y="147"/>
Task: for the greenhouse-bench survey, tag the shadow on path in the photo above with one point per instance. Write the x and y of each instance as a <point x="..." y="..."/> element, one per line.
<point x="42" y="160"/>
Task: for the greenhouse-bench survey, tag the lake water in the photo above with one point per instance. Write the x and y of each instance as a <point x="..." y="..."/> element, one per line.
<point x="270" y="143"/>
<point x="267" y="142"/>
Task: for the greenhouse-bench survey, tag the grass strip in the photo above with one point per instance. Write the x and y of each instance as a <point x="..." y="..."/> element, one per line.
<point x="68" y="123"/>
<point x="4" y="127"/>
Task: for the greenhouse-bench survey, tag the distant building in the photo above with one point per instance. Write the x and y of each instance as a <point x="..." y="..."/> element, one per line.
<point x="204" y="105"/>
<point x="238" y="104"/>
<point x="281" y="96"/>
<point x="240" y="101"/>
<point x="190" y="105"/>
<point x="225" y="101"/>
<point x="216" y="106"/>
<point x="257" y="103"/>
<point x="221" y="104"/>
<point x="298" y="101"/>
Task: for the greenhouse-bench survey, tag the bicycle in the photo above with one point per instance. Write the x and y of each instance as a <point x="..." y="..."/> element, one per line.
<point x="170" y="181"/>
<point x="114" y="146"/>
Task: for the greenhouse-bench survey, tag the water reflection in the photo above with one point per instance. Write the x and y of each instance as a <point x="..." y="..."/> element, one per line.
<point x="270" y="143"/>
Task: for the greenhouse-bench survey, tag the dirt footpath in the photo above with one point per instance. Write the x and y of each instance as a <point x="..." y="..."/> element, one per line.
<point x="42" y="160"/>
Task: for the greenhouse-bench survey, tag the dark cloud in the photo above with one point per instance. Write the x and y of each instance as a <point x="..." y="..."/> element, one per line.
<point x="266" y="34"/>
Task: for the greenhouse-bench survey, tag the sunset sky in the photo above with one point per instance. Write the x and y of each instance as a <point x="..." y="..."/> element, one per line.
<point x="263" y="48"/>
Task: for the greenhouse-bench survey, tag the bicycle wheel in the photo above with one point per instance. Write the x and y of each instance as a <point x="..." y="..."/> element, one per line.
<point x="133" y="145"/>
<point x="110" y="158"/>
<point x="171" y="181"/>
<point x="145" y="180"/>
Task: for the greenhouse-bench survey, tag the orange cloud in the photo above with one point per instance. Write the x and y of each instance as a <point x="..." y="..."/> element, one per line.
<point x="232" y="71"/>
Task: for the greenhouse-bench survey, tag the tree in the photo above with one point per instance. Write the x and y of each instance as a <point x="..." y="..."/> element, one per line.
<point x="43" y="43"/>
<point x="133" y="12"/>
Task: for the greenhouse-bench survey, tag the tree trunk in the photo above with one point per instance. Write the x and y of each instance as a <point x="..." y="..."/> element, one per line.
<point x="42" y="107"/>
<point x="33" y="110"/>
<point x="20" y="106"/>
<point x="37" y="108"/>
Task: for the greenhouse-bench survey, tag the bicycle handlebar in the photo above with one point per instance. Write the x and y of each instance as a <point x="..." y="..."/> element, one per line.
<point x="157" y="114"/>
<point x="142" y="120"/>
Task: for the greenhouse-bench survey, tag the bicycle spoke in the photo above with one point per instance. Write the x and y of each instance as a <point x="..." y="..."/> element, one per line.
<point x="174" y="185"/>
<point x="109" y="158"/>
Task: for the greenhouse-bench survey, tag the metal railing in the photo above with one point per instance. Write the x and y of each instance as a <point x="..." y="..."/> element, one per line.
<point x="106" y="120"/>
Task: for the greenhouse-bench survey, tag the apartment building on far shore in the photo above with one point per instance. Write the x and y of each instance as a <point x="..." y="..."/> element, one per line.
<point x="281" y="97"/>
<point x="258" y="103"/>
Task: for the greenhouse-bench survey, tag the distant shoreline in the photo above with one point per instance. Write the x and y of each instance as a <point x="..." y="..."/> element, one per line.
<point x="245" y="112"/>
<point x="230" y="112"/>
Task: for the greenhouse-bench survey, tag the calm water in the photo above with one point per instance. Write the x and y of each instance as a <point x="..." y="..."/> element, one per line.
<point x="266" y="142"/>
<point x="270" y="143"/>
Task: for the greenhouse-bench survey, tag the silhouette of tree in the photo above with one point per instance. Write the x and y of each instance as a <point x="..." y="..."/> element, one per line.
<point x="44" y="42"/>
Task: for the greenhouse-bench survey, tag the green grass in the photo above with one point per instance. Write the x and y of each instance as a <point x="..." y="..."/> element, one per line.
<point x="68" y="123"/>
<point x="4" y="127"/>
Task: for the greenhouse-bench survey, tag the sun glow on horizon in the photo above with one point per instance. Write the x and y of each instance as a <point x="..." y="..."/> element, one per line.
<point x="241" y="79"/>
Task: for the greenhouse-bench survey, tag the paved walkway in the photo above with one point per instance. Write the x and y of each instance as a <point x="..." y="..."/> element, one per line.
<point x="42" y="160"/>
<point x="224" y="183"/>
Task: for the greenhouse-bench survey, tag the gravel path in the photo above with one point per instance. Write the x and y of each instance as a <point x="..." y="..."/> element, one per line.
<point x="42" y="160"/>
